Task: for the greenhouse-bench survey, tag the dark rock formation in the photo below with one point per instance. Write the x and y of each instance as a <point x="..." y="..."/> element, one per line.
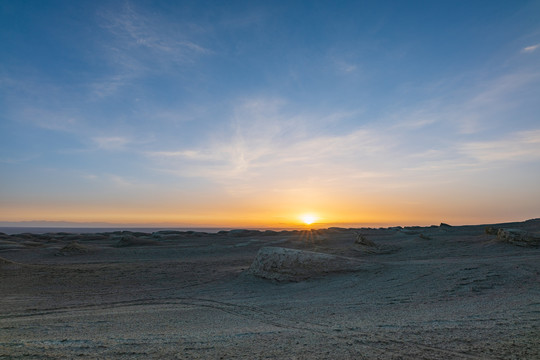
<point x="74" y="248"/>
<point x="490" y="230"/>
<point x="361" y="239"/>
<point x="518" y="237"/>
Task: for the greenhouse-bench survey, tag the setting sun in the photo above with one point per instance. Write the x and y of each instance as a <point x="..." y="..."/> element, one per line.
<point x="308" y="219"/>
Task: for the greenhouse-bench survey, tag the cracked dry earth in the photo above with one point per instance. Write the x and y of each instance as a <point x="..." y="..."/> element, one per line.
<point x="437" y="292"/>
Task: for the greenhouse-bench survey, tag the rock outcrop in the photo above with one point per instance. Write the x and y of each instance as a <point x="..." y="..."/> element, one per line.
<point x="282" y="264"/>
<point x="74" y="248"/>
<point x="361" y="239"/>
<point x="490" y="230"/>
<point x="518" y="237"/>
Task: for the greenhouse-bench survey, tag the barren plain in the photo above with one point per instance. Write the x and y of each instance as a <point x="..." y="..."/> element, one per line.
<point x="437" y="292"/>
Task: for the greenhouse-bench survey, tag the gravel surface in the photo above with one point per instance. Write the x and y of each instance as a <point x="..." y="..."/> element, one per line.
<point x="439" y="292"/>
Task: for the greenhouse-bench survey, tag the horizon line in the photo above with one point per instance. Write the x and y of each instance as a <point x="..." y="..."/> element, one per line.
<point x="281" y="226"/>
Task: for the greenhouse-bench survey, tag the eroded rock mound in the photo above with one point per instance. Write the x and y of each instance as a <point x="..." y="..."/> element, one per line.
<point x="74" y="248"/>
<point x="282" y="264"/>
<point x="361" y="239"/>
<point x="518" y="237"/>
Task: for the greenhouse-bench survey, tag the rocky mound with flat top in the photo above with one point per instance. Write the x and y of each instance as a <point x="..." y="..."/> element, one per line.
<point x="282" y="264"/>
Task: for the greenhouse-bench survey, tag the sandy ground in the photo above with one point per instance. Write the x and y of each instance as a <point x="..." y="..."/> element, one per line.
<point x="436" y="292"/>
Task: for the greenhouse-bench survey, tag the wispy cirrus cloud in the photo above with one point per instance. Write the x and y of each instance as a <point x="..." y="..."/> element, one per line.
<point x="134" y="32"/>
<point x="272" y="144"/>
<point x="63" y="120"/>
<point x="105" y="87"/>
<point x="346" y="67"/>
<point x="269" y="145"/>
<point x="472" y="107"/>
<point x="522" y="146"/>
<point x="136" y="44"/>
<point x="119" y="182"/>
<point x="17" y="159"/>
<point x="111" y="142"/>
<point x="184" y="154"/>
<point x="530" y="49"/>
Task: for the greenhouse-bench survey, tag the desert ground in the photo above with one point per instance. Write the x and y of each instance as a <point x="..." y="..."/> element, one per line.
<point x="436" y="292"/>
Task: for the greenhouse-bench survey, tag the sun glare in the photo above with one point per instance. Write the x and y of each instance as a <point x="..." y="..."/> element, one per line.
<point x="308" y="219"/>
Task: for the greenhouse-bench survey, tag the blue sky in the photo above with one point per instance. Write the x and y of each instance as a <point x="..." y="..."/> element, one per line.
<point x="253" y="113"/>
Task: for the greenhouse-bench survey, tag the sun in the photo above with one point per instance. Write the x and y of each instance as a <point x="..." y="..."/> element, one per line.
<point x="308" y="219"/>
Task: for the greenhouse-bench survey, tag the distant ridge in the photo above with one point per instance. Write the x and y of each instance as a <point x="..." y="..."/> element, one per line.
<point x="47" y="223"/>
<point x="44" y="226"/>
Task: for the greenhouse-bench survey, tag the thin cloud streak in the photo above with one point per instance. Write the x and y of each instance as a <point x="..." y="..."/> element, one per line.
<point x="133" y="31"/>
<point x="530" y="49"/>
<point x="523" y="146"/>
<point x="137" y="45"/>
<point x="475" y="108"/>
<point x="111" y="142"/>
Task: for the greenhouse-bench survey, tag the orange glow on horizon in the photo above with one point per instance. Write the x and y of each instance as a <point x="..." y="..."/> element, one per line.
<point x="308" y="219"/>
<point x="279" y="212"/>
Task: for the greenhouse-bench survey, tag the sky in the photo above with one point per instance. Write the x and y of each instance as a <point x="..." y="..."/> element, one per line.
<point x="255" y="113"/>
